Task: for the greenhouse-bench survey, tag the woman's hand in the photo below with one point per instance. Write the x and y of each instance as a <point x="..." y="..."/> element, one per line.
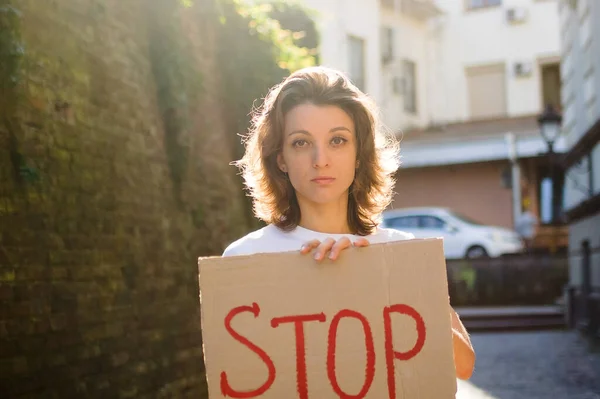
<point x="464" y="354"/>
<point x="330" y="247"/>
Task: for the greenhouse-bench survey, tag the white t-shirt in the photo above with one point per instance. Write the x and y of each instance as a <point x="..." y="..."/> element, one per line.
<point x="273" y="239"/>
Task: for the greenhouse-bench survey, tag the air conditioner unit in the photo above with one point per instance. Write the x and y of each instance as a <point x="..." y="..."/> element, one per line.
<point x="516" y="15"/>
<point x="523" y="69"/>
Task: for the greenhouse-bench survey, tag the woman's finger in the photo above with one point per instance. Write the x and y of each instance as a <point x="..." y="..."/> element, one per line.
<point x="309" y="246"/>
<point x="361" y="242"/>
<point x="323" y="248"/>
<point x="341" y="244"/>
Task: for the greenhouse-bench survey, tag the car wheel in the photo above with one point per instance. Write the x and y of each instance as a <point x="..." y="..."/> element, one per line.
<point x="476" y="251"/>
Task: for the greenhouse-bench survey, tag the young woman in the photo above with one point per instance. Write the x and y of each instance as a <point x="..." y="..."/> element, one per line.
<point x="319" y="170"/>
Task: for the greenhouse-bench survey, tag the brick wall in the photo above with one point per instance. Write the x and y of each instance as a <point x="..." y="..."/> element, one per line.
<point x="98" y="275"/>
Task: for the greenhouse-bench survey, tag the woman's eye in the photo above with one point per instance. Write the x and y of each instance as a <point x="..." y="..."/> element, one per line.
<point x="338" y="141"/>
<point x="299" y="143"/>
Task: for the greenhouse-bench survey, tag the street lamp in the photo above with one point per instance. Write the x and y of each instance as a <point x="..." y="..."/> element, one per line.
<point x="549" y="122"/>
<point x="550" y="129"/>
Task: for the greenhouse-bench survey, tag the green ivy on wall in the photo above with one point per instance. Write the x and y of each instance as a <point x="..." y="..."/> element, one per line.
<point x="11" y="54"/>
<point x="176" y="79"/>
<point x="254" y="53"/>
<point x="300" y="21"/>
<point x="287" y="52"/>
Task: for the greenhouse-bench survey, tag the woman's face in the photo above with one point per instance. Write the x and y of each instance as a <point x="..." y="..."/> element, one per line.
<point x="319" y="153"/>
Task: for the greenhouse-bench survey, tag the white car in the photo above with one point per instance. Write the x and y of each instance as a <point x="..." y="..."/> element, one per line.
<point x="463" y="238"/>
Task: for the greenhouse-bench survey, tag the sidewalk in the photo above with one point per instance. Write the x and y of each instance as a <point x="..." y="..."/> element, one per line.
<point x="533" y="365"/>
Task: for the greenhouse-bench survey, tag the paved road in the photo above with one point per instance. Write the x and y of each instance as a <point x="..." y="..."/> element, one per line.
<point x="533" y="365"/>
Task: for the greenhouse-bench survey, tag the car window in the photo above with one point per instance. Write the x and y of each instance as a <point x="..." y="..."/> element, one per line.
<point x="403" y="222"/>
<point x="431" y="222"/>
<point x="466" y="219"/>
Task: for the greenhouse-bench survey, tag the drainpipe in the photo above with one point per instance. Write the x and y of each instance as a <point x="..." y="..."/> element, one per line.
<point x="587" y="316"/>
<point x="515" y="175"/>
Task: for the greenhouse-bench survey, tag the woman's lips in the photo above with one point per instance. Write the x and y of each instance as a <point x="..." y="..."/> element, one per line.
<point x="323" y="180"/>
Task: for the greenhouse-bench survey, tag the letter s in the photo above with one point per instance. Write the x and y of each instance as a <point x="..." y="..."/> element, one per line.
<point x="226" y="389"/>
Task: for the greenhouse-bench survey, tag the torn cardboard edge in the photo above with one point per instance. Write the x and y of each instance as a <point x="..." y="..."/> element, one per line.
<point x="267" y="254"/>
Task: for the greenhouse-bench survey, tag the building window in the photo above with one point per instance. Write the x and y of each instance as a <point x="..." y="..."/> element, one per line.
<point x="387" y="44"/>
<point x="486" y="87"/>
<point x="551" y="85"/>
<point x="432" y="222"/>
<point x="410" y="86"/>
<point x="474" y="4"/>
<point x="404" y="222"/>
<point x="356" y="55"/>
<point x="546" y="191"/>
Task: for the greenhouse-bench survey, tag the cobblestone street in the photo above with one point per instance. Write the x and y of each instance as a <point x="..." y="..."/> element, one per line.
<point x="533" y="365"/>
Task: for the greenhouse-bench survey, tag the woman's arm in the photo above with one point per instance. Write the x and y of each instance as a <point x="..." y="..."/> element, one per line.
<point x="464" y="354"/>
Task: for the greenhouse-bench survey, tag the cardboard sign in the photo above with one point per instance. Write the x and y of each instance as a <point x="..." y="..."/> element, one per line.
<point x="373" y="324"/>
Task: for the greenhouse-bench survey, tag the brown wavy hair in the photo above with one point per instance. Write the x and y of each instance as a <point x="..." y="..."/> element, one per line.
<point x="274" y="198"/>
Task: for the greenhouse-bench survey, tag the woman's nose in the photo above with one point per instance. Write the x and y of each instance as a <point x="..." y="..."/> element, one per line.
<point x="320" y="157"/>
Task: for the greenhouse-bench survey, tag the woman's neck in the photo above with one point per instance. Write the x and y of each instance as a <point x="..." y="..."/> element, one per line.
<point x="329" y="218"/>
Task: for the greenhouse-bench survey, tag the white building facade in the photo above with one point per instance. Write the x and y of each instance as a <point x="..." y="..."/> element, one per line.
<point x="484" y="60"/>
<point x="580" y="32"/>
<point x="491" y="56"/>
<point x="349" y="40"/>
<point x="430" y="63"/>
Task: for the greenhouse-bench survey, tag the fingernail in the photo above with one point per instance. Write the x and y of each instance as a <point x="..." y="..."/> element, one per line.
<point x="302" y="248"/>
<point x="331" y="256"/>
<point x="317" y="256"/>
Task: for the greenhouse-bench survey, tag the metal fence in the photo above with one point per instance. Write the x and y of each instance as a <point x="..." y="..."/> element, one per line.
<point x="583" y="301"/>
<point x="524" y="279"/>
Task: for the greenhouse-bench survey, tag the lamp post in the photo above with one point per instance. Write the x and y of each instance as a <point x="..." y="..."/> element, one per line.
<point x="550" y="129"/>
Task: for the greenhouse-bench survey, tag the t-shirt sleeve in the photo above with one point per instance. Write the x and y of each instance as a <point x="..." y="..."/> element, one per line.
<point x="397" y="235"/>
<point x="235" y="248"/>
<point x="403" y="235"/>
<point x="229" y="251"/>
<point x="246" y="245"/>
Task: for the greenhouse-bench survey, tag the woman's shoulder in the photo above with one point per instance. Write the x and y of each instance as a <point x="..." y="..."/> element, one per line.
<point x="252" y="242"/>
<point x="387" y="235"/>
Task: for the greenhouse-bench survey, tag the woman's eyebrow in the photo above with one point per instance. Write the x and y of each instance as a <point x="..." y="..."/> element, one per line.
<point x="333" y="130"/>
<point x="339" y="128"/>
<point x="299" y="131"/>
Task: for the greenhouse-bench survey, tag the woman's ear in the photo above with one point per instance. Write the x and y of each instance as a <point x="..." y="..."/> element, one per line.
<point x="281" y="163"/>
